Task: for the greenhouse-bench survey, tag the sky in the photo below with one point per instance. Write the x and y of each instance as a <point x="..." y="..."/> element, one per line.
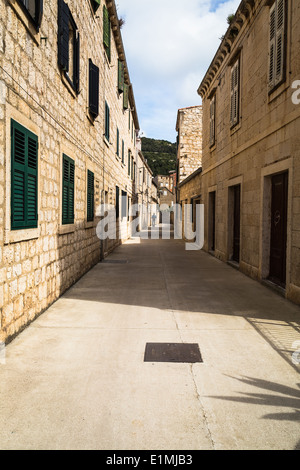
<point x="169" y="45"/>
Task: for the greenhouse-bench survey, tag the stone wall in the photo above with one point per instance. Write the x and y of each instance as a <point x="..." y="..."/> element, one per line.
<point x="189" y="153"/>
<point x="264" y="142"/>
<point x="38" y="265"/>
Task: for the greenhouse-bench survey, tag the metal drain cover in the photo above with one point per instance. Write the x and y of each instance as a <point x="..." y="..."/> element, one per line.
<point x="172" y="352"/>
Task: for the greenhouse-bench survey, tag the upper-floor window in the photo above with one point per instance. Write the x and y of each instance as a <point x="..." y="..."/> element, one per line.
<point x="33" y="9"/>
<point x="235" y="93"/>
<point x="106" y="33"/>
<point x="277" y="49"/>
<point x="93" y="89"/>
<point x="107" y="122"/>
<point x="68" y="45"/>
<point x="96" y="4"/>
<point x="212" y="121"/>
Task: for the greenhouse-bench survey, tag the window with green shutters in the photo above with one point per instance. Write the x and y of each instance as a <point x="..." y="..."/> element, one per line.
<point x="90" y="195"/>
<point x="117" y="202"/>
<point x="120" y="76"/>
<point x="68" y="187"/>
<point x="106" y="33"/>
<point x="34" y="10"/>
<point x="107" y="121"/>
<point x="24" y="178"/>
<point x="129" y="162"/>
<point x="123" y="152"/>
<point x="125" y="96"/>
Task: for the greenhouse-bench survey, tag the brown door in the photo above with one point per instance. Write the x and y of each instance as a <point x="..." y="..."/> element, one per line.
<point x="212" y="202"/>
<point x="236" y="222"/>
<point x="278" y="229"/>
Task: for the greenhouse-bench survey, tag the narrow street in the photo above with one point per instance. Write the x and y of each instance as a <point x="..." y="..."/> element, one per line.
<point x="76" y="377"/>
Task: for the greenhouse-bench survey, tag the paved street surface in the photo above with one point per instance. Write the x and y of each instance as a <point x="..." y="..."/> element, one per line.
<point x="76" y="377"/>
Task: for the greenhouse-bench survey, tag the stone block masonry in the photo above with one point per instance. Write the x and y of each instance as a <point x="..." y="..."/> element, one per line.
<point x="51" y="103"/>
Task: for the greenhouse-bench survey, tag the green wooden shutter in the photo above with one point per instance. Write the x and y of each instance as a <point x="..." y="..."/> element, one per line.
<point x="117" y="202"/>
<point x="24" y="178"/>
<point x="106" y="32"/>
<point x="120" y="76"/>
<point x="125" y="96"/>
<point x="93" y="89"/>
<point x="63" y="35"/>
<point x="118" y="142"/>
<point x="107" y="121"/>
<point x="90" y="196"/>
<point x="123" y="156"/>
<point x="129" y="162"/>
<point x="68" y="190"/>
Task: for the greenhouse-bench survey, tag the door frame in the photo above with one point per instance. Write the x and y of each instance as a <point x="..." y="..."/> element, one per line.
<point x="230" y="216"/>
<point x="265" y="222"/>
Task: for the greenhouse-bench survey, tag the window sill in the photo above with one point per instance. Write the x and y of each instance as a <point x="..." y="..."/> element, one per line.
<point x="236" y="127"/>
<point x="29" y="24"/>
<point x="107" y="143"/>
<point x="14" y="236"/>
<point x="90" y="224"/>
<point x="68" y="228"/>
<point x="277" y="91"/>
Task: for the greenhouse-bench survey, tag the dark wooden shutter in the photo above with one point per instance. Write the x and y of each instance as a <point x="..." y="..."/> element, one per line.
<point x="129" y="162"/>
<point x="68" y="190"/>
<point x="96" y="4"/>
<point x="63" y="35"/>
<point x="39" y="13"/>
<point x="118" y="142"/>
<point x="24" y="178"/>
<point x="120" y="76"/>
<point x="272" y="46"/>
<point x="125" y="96"/>
<point x="280" y="41"/>
<point x="107" y="121"/>
<point x="93" y="89"/>
<point x="117" y="202"/>
<point x="77" y="62"/>
<point x="123" y="156"/>
<point x="90" y="196"/>
<point x="106" y="31"/>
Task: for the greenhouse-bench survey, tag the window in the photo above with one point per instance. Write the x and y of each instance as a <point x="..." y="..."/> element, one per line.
<point x="117" y="202"/>
<point x="123" y="152"/>
<point x="125" y="96"/>
<point x="235" y="93"/>
<point x="68" y="184"/>
<point x="107" y="123"/>
<point x="68" y="45"/>
<point x="96" y="4"/>
<point x="212" y="121"/>
<point x="34" y="10"/>
<point x="277" y="44"/>
<point x="24" y="178"/>
<point x="124" y="204"/>
<point x="118" y="142"/>
<point x="90" y="195"/>
<point x="129" y="162"/>
<point x="93" y="89"/>
<point x="120" y="76"/>
<point x="106" y="32"/>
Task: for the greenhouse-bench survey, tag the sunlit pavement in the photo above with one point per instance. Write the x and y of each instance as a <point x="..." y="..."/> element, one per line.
<point x="76" y="377"/>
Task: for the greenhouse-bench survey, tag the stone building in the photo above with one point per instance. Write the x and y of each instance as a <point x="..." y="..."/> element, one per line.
<point x="68" y="127"/>
<point x="189" y="141"/>
<point x="250" y="181"/>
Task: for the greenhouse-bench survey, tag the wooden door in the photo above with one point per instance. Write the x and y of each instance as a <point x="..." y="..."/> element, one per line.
<point x="278" y="228"/>
<point x="236" y="222"/>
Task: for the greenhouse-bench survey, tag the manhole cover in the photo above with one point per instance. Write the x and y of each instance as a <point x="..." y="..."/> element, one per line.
<point x="172" y="352"/>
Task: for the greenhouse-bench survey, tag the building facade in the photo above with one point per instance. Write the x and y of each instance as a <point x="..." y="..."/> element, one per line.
<point x="68" y="128"/>
<point x="189" y="141"/>
<point x="251" y="153"/>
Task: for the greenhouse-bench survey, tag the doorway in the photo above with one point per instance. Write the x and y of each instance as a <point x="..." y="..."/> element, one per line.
<point x="236" y="223"/>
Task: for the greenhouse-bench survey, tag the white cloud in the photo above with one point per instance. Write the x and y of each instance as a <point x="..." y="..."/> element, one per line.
<point x="169" y="45"/>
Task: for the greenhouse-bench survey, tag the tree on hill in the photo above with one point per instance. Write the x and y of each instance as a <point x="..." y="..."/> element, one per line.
<point x="160" y="154"/>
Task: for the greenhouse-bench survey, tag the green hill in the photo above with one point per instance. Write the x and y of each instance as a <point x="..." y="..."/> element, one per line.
<point x="160" y="155"/>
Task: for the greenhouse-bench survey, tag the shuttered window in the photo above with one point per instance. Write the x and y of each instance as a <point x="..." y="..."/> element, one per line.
<point x="107" y="121"/>
<point x="235" y="93"/>
<point x="96" y="4"/>
<point x="68" y="45"/>
<point x="118" y="142"/>
<point x="124" y="205"/>
<point x="106" y="33"/>
<point x="125" y="96"/>
<point x="212" y="121"/>
<point x="68" y="187"/>
<point x="90" y="195"/>
<point x="93" y="89"/>
<point x="129" y="162"/>
<point x="277" y="43"/>
<point x="117" y="202"/>
<point x="34" y="10"/>
<point x="120" y="76"/>
<point x="24" y="178"/>
<point x="123" y="152"/>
